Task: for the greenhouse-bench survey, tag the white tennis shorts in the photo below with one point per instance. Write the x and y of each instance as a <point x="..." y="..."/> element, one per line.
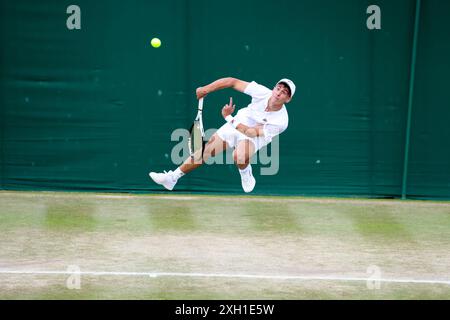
<point x="232" y="137"/>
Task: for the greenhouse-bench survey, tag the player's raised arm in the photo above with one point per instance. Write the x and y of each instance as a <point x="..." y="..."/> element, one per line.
<point x="223" y="83"/>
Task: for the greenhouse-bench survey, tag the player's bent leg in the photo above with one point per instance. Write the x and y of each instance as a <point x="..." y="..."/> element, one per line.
<point x="242" y="155"/>
<point x="214" y="146"/>
<point x="168" y="179"/>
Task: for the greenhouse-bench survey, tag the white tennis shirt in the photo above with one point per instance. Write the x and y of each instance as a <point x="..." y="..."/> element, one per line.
<point x="275" y="122"/>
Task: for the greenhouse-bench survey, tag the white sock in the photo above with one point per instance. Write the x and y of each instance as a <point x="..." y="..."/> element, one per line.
<point x="245" y="170"/>
<point x="178" y="173"/>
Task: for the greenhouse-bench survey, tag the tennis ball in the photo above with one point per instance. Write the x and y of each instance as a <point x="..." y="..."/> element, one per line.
<point x="156" y="43"/>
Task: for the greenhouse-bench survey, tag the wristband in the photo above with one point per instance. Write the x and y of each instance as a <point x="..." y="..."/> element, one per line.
<point x="230" y="119"/>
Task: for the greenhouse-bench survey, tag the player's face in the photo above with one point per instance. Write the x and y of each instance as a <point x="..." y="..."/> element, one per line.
<point x="281" y="93"/>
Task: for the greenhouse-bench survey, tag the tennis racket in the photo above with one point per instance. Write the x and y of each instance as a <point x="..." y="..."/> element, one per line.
<point x="196" y="141"/>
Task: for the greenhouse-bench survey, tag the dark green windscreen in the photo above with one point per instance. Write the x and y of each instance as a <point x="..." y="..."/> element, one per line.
<point x="94" y="109"/>
<point x="429" y="170"/>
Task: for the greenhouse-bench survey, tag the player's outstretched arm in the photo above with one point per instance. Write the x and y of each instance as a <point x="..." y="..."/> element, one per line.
<point x="223" y="83"/>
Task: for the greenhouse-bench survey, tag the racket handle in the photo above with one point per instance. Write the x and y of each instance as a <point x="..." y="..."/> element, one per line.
<point x="200" y="104"/>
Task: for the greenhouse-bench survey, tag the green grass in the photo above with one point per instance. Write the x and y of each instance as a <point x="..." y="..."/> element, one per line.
<point x="218" y="234"/>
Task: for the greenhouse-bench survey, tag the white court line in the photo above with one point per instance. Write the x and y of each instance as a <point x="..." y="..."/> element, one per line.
<point x="221" y="275"/>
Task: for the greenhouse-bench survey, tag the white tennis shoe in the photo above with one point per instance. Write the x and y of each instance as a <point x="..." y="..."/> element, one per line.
<point x="167" y="179"/>
<point x="247" y="179"/>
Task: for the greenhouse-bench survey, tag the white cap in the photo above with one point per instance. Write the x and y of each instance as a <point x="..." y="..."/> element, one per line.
<point x="290" y="84"/>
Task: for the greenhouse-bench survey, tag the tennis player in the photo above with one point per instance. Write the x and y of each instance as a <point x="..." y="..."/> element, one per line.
<point x="251" y="129"/>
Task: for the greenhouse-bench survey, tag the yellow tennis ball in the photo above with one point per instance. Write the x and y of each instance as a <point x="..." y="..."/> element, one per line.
<point x="156" y="43"/>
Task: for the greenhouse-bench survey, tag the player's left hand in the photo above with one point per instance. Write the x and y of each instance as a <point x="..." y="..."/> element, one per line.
<point x="228" y="108"/>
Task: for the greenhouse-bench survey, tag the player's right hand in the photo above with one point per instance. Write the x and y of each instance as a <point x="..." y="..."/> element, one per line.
<point x="201" y="92"/>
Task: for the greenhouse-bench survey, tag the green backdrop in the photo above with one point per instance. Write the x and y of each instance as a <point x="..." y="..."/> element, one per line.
<point x="94" y="109"/>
